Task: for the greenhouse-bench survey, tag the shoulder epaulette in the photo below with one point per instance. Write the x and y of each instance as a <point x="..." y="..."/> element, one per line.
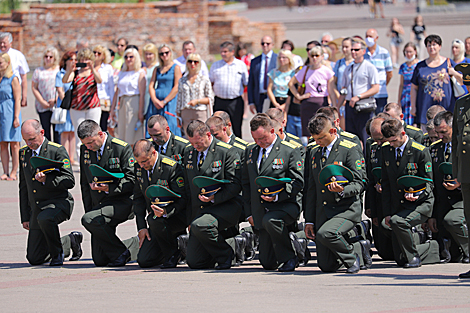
<point x="168" y="161"/>
<point x="223" y="144"/>
<point x="181" y="139"/>
<point x="348" y="144"/>
<point x="150" y="139"/>
<point x="119" y="142"/>
<point x="385" y="144"/>
<point x="418" y="146"/>
<point x="54" y="144"/>
<point x="436" y="142"/>
<point x="346" y="134"/>
<point x="296" y="144"/>
<point x="23" y="147"/>
<point x="426" y="134"/>
<point x="251" y="143"/>
<point x="374" y="143"/>
<point x="236" y="144"/>
<point x="188" y="145"/>
<point x="293" y="136"/>
<point x="311" y="144"/>
<point x="286" y="143"/>
<point x="413" y="128"/>
<point x="243" y="142"/>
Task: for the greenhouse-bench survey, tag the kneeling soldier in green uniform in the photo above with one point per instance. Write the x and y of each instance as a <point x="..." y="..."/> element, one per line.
<point x="272" y="212"/>
<point x="107" y="203"/>
<point x="333" y="207"/>
<point x="404" y="207"/>
<point x="166" y="219"/>
<point x="211" y="213"/>
<point x="45" y="202"/>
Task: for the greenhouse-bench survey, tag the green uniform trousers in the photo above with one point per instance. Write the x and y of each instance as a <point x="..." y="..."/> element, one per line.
<point x="333" y="250"/>
<point x="466" y="200"/>
<point x="455" y="224"/>
<point x="404" y="243"/>
<point x="275" y="246"/>
<point x="383" y="242"/>
<point x="206" y="246"/>
<point x="163" y="233"/>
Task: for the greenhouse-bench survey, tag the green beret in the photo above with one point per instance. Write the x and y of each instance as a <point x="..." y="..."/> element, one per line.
<point x="464" y="68"/>
<point x="208" y="185"/>
<point x="271" y="186"/>
<point x="45" y="165"/>
<point x="413" y="184"/>
<point x="335" y="173"/>
<point x="161" y="195"/>
<point x="102" y="176"/>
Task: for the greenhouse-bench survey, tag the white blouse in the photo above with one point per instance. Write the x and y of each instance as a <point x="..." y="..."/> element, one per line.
<point x="128" y="83"/>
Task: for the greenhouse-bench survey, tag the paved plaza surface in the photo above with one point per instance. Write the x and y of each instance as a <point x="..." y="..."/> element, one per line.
<point x="82" y="287"/>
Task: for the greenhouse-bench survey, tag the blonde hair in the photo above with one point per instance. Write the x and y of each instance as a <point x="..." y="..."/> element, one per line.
<point x="150" y="47"/>
<point x="459" y="43"/>
<point x="289" y="55"/>
<point x="137" y="60"/>
<point x="85" y="53"/>
<point x="160" y="49"/>
<point x="316" y="50"/>
<point x="55" y="55"/>
<point x="8" y="71"/>
<point x="194" y="57"/>
<point x="104" y="51"/>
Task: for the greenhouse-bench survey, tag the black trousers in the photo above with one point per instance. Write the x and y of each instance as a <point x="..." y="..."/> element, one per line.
<point x="104" y="120"/>
<point x="45" y="119"/>
<point x="234" y="107"/>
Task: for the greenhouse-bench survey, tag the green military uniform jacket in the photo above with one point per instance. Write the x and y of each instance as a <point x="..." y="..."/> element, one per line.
<point x="416" y="161"/>
<point x="373" y="200"/>
<point x="414" y="132"/>
<point x="292" y="138"/>
<point x="234" y="139"/>
<point x="284" y="160"/>
<point x="461" y="140"/>
<point x="117" y="158"/>
<point x="221" y="162"/>
<point x="320" y="204"/>
<point x="175" y="147"/>
<point x="35" y="195"/>
<point x="445" y="200"/>
<point x="168" y="173"/>
<point x="426" y="140"/>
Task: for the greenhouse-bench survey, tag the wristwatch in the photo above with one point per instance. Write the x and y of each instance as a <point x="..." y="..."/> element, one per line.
<point x="359" y="96"/>
<point x="165" y="102"/>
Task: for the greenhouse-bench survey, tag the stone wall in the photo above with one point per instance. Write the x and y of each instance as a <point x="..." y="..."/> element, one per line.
<point x="255" y="4"/>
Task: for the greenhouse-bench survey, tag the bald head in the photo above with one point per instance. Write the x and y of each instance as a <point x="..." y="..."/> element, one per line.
<point x="31" y="125"/>
<point x="33" y="133"/>
<point x="394" y="110"/>
<point x="218" y="128"/>
<point x="143" y="147"/>
<point x="375" y="130"/>
<point x="267" y="44"/>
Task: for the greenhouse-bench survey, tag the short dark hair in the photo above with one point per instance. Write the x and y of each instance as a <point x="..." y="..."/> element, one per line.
<point x="328" y="111"/>
<point x="433" y="110"/>
<point x="227" y="44"/>
<point x="122" y="38"/>
<point x="261" y="120"/>
<point x="289" y="43"/>
<point x="197" y="127"/>
<point x="383" y="115"/>
<point x="67" y="56"/>
<point x="275" y="114"/>
<point x="157" y="118"/>
<point x="318" y="123"/>
<point x="357" y="41"/>
<point x="188" y="42"/>
<point x="433" y="38"/>
<point x="142" y="146"/>
<point x="314" y="42"/>
<point x="224" y="115"/>
<point x="430" y="125"/>
<point x="88" y="128"/>
<point x="410" y="45"/>
<point x="391" y="127"/>
<point x="443" y="116"/>
<point x="216" y="122"/>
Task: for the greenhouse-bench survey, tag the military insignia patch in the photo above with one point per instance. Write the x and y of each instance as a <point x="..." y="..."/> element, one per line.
<point x="66" y="163"/>
<point x="131" y="161"/>
<point x="180" y="182"/>
<point x="358" y="165"/>
<point x="299" y="166"/>
<point x="237" y="164"/>
<point x="428" y="167"/>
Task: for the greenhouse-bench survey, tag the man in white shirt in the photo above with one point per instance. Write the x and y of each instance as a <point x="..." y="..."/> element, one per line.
<point x="18" y="62"/>
<point x="188" y="48"/>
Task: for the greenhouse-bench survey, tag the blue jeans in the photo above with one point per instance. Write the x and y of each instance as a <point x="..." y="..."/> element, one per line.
<point x="294" y="125"/>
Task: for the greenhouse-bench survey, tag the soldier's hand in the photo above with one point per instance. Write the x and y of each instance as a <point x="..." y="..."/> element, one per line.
<point x="99" y="187"/>
<point x="143" y="233"/>
<point x="432" y="223"/>
<point x="40" y="177"/>
<point x="411" y="197"/>
<point x="335" y="187"/>
<point x="378" y="188"/>
<point x="206" y="199"/>
<point x="250" y="220"/>
<point x="157" y="210"/>
<point x="375" y="221"/>
<point x="268" y="199"/>
<point x="26" y="225"/>
<point x="309" y="231"/>
<point x="451" y="186"/>
<point x="387" y="221"/>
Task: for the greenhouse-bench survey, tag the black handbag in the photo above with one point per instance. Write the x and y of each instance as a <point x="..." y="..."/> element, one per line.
<point x="366" y="105"/>
<point x="67" y="101"/>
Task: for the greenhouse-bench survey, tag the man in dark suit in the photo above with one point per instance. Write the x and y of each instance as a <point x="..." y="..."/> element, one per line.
<point x="157" y="242"/>
<point x="272" y="215"/>
<point x="211" y="215"/>
<point x="259" y="69"/>
<point x="164" y="140"/>
<point x="332" y="211"/>
<point x="45" y="200"/>
<point x="106" y="204"/>
<point x="404" y="208"/>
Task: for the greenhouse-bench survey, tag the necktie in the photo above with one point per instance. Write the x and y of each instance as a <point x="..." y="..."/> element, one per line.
<point x="263" y="157"/>
<point x="35" y="153"/>
<point x="98" y="154"/>
<point x="265" y="82"/>
<point x="323" y="155"/>
<point x="448" y="151"/>
<point x="201" y="160"/>
<point x="398" y="156"/>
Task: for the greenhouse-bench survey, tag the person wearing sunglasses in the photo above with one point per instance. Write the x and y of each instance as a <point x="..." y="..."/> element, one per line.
<point x="106" y="88"/>
<point x="43" y="86"/>
<point x="163" y="88"/>
<point x="188" y="48"/>
<point x="195" y="96"/>
<point x="150" y="56"/>
<point x="121" y="45"/>
<point x="130" y="92"/>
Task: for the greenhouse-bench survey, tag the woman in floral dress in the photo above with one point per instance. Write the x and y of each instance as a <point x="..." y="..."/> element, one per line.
<point x="406" y="72"/>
